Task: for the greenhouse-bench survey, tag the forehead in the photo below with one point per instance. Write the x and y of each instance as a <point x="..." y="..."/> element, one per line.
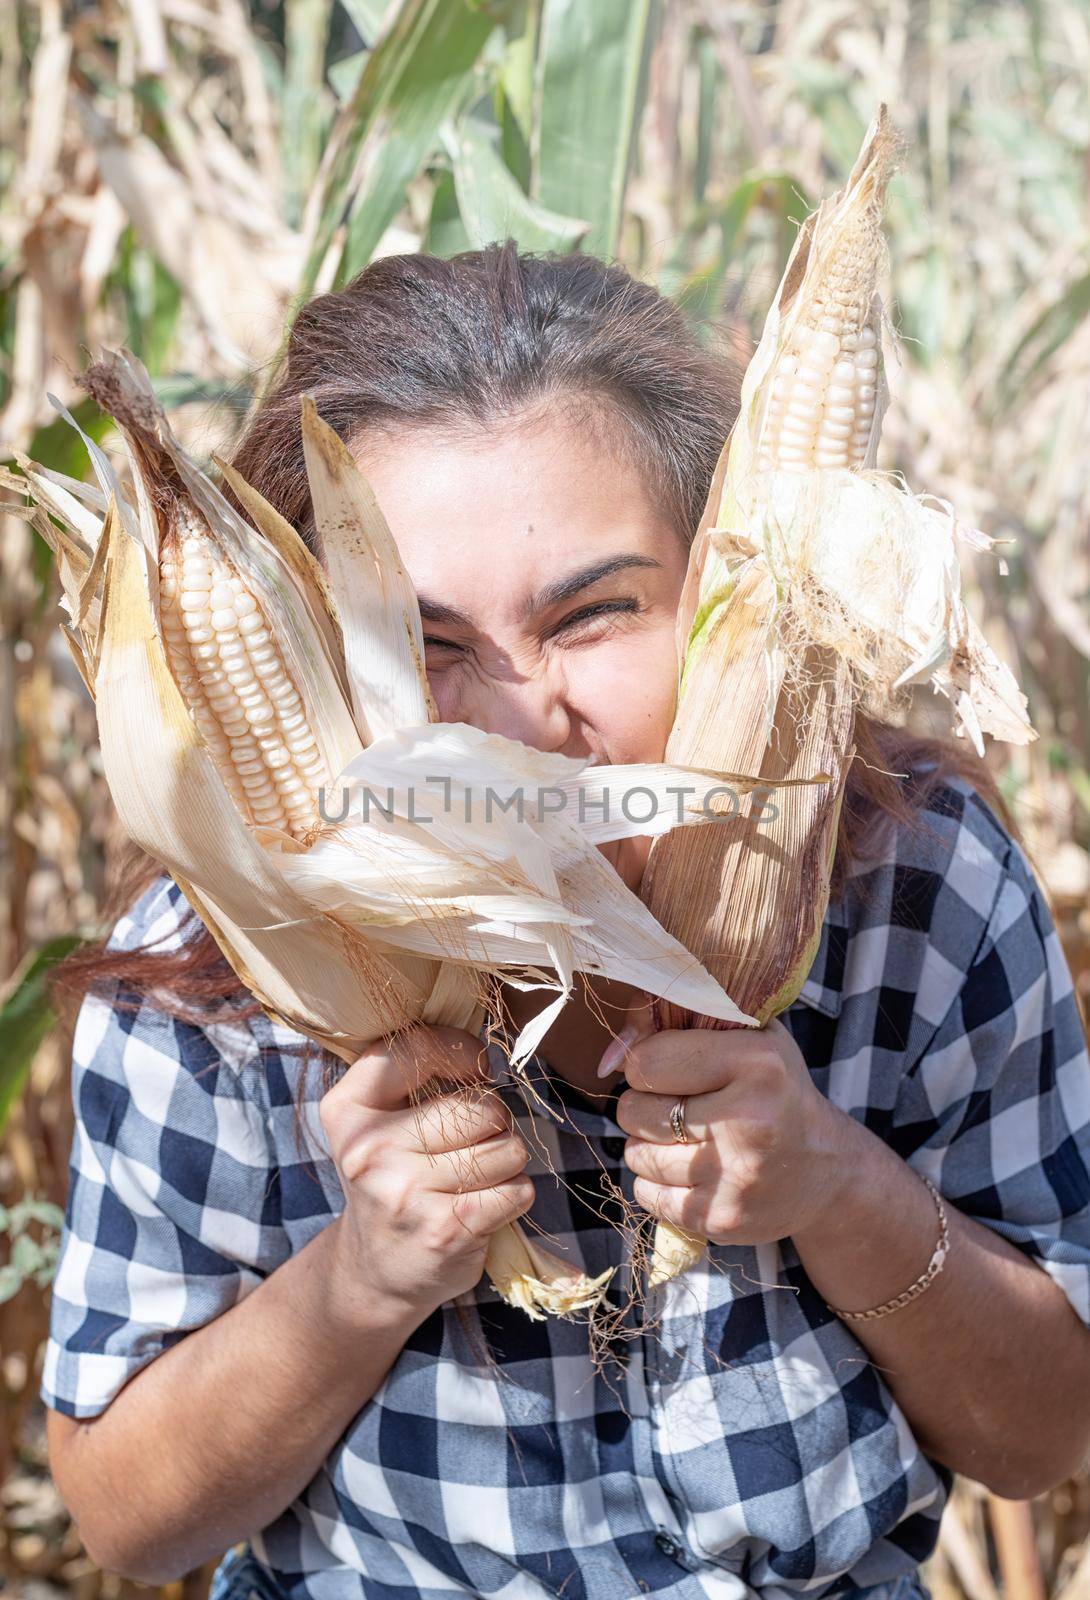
<point x="486" y="516"/>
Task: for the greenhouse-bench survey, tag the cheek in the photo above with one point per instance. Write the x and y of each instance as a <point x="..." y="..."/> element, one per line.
<point x="626" y="690"/>
<point x="446" y="693"/>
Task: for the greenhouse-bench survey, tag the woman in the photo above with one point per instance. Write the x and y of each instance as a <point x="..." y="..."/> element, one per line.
<point x="268" y="1328"/>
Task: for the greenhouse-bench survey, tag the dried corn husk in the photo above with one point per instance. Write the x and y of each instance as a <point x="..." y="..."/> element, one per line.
<point x="816" y="585"/>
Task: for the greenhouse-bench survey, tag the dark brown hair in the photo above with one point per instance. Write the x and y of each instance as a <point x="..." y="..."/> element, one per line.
<point x="415" y="341"/>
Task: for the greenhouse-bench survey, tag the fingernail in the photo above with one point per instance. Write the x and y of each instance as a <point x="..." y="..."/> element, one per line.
<point x="615" y="1052"/>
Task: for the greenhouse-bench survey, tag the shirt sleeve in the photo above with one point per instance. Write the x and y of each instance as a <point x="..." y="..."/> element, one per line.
<point x="166" y="1223"/>
<point x="996" y="1111"/>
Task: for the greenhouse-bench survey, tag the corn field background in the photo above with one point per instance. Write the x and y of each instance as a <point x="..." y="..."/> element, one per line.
<point x="176" y="174"/>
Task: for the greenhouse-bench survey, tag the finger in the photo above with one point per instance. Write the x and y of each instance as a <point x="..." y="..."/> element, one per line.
<point x="692" y="1061"/>
<point x="647" y="1116"/>
<point x="680" y="1165"/>
<point x="636" y="1023"/>
<point x="391" y="1071"/>
<point x="684" y="1208"/>
<point x="484" y="1211"/>
<point x="481" y="1167"/>
<point x="454" y="1122"/>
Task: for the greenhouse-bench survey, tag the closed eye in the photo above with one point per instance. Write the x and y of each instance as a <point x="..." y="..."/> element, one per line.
<point x="600" y="608"/>
<point x="574" y="621"/>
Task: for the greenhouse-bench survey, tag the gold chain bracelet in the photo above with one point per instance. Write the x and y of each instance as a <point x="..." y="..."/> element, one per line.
<point x="931" y="1271"/>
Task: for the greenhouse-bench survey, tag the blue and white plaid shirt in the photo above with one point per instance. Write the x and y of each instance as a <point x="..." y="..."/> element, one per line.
<point x="748" y="1445"/>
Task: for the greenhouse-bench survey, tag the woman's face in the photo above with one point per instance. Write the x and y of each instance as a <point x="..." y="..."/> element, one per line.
<point x="548" y="581"/>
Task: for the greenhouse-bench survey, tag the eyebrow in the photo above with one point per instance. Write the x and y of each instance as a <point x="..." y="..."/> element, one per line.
<point x="552" y="594"/>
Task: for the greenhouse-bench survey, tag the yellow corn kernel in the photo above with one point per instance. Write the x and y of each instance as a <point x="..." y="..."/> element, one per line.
<point x="232" y="676"/>
<point x="822" y="399"/>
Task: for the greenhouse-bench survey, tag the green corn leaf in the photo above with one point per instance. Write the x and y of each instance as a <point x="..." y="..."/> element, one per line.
<point x="306" y="29"/>
<point x="190" y="388"/>
<point x="515" y="91"/>
<point x="152" y="299"/>
<point x="734" y="215"/>
<point x="420" y="71"/>
<point x="591" y="68"/>
<point x="924" y="303"/>
<point x="777" y="194"/>
<point x="446" y="235"/>
<point x="708" y="80"/>
<point x="59" y="446"/>
<point x="369" y="16"/>
<point x="1052" y="329"/>
<point x="491" y="204"/>
<point x="25" y="1019"/>
<point x="344" y="75"/>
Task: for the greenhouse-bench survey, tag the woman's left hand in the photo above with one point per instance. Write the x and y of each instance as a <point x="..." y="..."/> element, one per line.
<point x="762" y="1158"/>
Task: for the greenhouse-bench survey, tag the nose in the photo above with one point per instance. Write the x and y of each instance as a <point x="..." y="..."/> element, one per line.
<point x="530" y="708"/>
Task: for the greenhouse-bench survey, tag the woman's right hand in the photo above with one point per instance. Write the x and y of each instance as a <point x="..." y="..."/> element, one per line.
<point x="428" y="1178"/>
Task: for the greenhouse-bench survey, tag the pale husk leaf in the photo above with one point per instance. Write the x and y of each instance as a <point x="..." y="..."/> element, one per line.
<point x="505" y="886"/>
<point x="376" y="604"/>
<point x="283" y="537"/>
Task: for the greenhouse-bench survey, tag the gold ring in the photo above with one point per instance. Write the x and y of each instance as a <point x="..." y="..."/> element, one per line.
<point x="677" y="1122"/>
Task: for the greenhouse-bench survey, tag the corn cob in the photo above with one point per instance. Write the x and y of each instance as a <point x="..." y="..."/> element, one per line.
<point x="815" y="586"/>
<point x="237" y="685"/>
<point x="822" y="406"/>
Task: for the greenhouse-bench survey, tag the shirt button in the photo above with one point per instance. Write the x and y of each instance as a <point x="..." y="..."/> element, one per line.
<point x="668" y="1546"/>
<point x="613" y="1148"/>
